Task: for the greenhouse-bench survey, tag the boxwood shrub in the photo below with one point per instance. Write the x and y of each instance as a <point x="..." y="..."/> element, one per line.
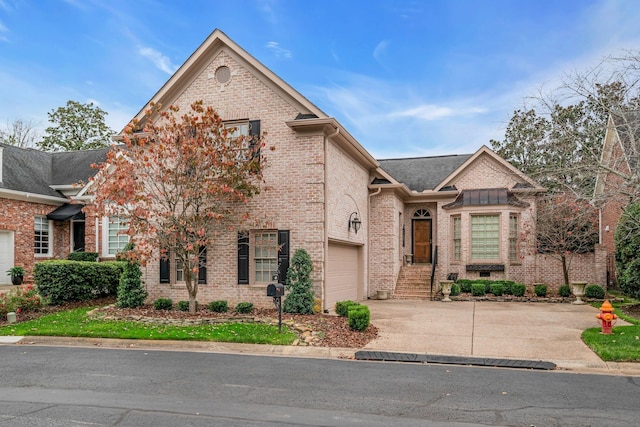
<point x="184" y="305"/>
<point x="478" y="289"/>
<point x="359" y="317"/>
<point x="63" y="281"/>
<point x="455" y="290"/>
<point x="540" y="290"/>
<point x="497" y="289"/>
<point x="564" y="291"/>
<point x="518" y="289"/>
<point x="507" y="284"/>
<point x="594" y="291"/>
<point x="244" y="307"/>
<point x="465" y="285"/>
<point x="342" y="307"/>
<point x="163" y="304"/>
<point x="220" y="306"/>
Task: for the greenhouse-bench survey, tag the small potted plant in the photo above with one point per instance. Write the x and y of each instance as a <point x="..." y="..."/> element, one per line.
<point x="17" y="275"/>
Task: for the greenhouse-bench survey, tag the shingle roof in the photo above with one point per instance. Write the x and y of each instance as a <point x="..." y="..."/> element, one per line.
<point x="423" y="173"/>
<point x="487" y="197"/>
<point x="33" y="171"/>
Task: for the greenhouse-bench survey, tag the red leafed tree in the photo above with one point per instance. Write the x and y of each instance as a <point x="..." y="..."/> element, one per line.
<point x="565" y="226"/>
<point x="179" y="183"/>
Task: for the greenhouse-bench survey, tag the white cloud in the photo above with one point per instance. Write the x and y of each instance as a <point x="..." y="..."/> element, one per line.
<point x="3" y="29"/>
<point x="436" y="112"/>
<point x="278" y="51"/>
<point x="159" y="60"/>
<point x="379" y="50"/>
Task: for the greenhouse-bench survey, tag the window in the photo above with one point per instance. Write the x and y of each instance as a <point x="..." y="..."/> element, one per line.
<point x="457" y="237"/>
<point x="485" y="237"/>
<point x="116" y="239"/>
<point x="513" y="237"/>
<point x="179" y="271"/>
<point x="265" y="256"/>
<point x="169" y="263"/>
<point x="42" y="236"/>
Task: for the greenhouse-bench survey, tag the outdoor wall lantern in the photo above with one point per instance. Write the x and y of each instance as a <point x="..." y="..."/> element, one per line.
<point x="354" y="222"/>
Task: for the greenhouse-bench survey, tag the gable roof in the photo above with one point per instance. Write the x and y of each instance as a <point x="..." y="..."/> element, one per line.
<point x="423" y="173"/>
<point x="26" y="170"/>
<point x="435" y="173"/>
<point x="202" y="57"/>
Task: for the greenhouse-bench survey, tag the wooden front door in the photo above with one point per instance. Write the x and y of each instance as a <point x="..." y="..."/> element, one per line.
<point x="422" y="241"/>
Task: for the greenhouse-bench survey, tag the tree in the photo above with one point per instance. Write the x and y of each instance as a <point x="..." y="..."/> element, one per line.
<point x="131" y="292"/>
<point x="181" y="182"/>
<point x="19" y="133"/>
<point x="627" y="255"/>
<point x="558" y="138"/>
<point x="565" y="225"/>
<point x="76" y="127"/>
<point x="300" y="296"/>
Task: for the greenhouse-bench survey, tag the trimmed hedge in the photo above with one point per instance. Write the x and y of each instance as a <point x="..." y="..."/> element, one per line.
<point x="497" y="289"/>
<point x="163" y="304"/>
<point x="63" y="281"/>
<point x="244" y="307"/>
<point x="359" y="317"/>
<point x="594" y="291"/>
<point x="540" y="290"/>
<point x="220" y="306"/>
<point x="518" y="289"/>
<point x="455" y="290"/>
<point x="478" y="289"/>
<point x="83" y="256"/>
<point x="564" y="291"/>
<point x="184" y="305"/>
<point x="342" y="307"/>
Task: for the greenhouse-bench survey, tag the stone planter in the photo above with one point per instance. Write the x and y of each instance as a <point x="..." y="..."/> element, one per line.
<point x="577" y="288"/>
<point x="382" y="294"/>
<point x="445" y="288"/>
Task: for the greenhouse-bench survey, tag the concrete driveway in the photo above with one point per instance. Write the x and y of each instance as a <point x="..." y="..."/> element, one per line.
<point x="531" y="331"/>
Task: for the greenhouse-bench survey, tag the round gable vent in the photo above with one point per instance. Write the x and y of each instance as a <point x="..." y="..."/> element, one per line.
<point x="223" y="74"/>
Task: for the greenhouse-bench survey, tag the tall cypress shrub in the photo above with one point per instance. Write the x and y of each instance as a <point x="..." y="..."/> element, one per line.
<point x="299" y="298"/>
<point x="627" y="253"/>
<point x="131" y="292"/>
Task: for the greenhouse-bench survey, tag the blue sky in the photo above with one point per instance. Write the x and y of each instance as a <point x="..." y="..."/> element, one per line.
<point x="405" y="77"/>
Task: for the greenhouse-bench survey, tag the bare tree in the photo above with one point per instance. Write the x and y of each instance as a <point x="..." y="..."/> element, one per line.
<point x="20" y="133"/>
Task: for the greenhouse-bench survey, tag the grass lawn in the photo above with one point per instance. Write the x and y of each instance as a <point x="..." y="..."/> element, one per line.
<point x="621" y="346"/>
<point x="74" y="323"/>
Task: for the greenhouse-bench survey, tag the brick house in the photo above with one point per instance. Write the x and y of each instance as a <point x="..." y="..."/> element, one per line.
<point x="368" y="224"/>
<point x="37" y="221"/>
<point x="620" y="153"/>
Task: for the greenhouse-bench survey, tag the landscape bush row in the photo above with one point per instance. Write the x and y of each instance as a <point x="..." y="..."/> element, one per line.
<point x="359" y="315"/>
<point x="220" y="306"/>
<point x="507" y="287"/>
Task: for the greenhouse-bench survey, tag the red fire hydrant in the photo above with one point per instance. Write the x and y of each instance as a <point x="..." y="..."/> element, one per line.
<point x="606" y="317"/>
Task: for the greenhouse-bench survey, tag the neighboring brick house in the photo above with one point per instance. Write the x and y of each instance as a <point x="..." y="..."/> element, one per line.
<point x="620" y="156"/>
<point x="362" y="220"/>
<point x="36" y="220"/>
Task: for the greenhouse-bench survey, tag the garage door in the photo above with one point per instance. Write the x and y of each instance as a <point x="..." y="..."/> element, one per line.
<point x="6" y="256"/>
<point x="342" y="275"/>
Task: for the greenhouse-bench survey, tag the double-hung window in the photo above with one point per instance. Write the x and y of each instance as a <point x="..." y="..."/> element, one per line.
<point x="116" y="237"/>
<point x="42" y="236"/>
<point x="457" y="237"/>
<point x="265" y="256"/>
<point x="485" y="237"/>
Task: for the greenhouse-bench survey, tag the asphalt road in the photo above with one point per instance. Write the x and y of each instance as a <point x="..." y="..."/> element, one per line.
<point x="56" y="386"/>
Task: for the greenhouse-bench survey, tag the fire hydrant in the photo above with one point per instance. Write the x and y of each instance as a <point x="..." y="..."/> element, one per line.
<point x="606" y="317"/>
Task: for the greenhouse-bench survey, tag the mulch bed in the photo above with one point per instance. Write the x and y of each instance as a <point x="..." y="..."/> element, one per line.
<point x="332" y="331"/>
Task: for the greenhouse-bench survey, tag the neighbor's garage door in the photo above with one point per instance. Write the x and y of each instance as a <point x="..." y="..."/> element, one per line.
<point x="6" y="256"/>
<point x="342" y="275"/>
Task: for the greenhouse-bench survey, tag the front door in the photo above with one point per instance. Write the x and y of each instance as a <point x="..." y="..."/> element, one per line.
<point x="78" y="236"/>
<point x="421" y="241"/>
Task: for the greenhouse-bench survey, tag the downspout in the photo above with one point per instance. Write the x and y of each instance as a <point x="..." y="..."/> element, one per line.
<point x="375" y="193"/>
<point x="326" y="219"/>
<point x="600" y="226"/>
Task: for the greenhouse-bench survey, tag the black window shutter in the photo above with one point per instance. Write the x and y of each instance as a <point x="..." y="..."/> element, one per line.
<point x="202" y="266"/>
<point x="283" y="255"/>
<point x="165" y="272"/>
<point x="254" y="134"/>
<point x="243" y="258"/>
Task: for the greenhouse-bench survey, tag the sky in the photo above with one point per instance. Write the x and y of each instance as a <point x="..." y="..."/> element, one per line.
<point x="406" y="78"/>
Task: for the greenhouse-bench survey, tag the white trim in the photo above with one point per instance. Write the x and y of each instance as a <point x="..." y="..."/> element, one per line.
<point x="32" y="197"/>
<point x="50" y="236"/>
<point x="105" y="237"/>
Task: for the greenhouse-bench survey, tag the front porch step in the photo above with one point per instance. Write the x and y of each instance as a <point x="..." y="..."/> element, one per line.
<point x="414" y="282"/>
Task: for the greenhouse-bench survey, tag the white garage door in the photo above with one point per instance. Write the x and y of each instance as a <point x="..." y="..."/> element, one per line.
<point x="342" y="275"/>
<point x="6" y="256"/>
